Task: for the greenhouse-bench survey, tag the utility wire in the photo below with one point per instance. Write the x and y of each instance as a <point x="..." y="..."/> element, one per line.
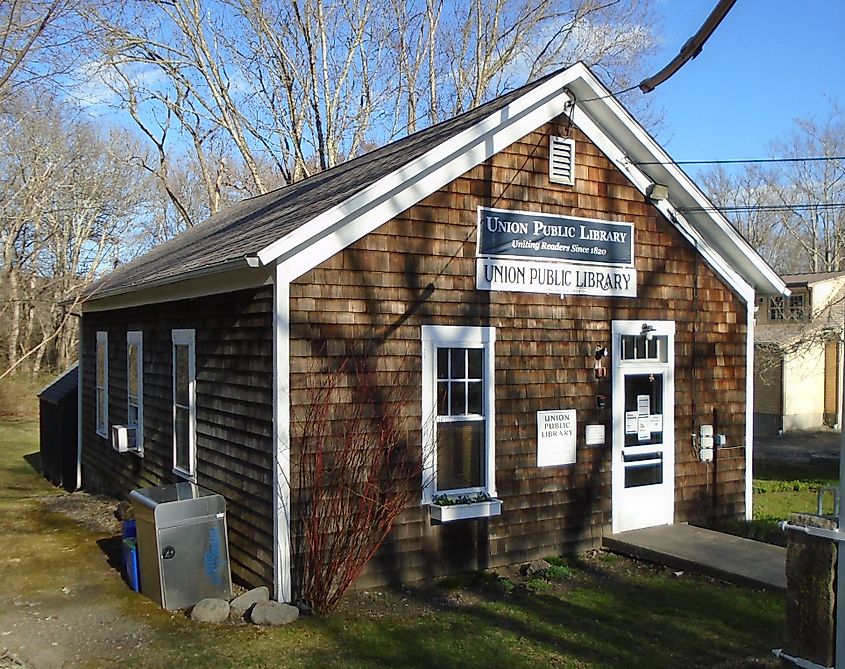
<point x="768" y="207"/>
<point x="735" y="161"/>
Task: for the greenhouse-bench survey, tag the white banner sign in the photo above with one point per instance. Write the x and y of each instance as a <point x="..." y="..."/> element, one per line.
<point x="559" y="278"/>
<point x="556" y="432"/>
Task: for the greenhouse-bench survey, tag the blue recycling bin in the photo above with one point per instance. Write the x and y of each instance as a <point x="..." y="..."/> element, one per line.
<point x="130" y="555"/>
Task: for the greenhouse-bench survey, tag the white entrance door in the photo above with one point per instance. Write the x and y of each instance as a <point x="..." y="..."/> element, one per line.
<point x="643" y="424"/>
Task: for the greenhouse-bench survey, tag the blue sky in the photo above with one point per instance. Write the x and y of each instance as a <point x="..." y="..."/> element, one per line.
<point x="768" y="63"/>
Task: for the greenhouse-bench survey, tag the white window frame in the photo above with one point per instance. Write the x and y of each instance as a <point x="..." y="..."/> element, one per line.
<point x="792" y="308"/>
<point x="136" y="338"/>
<point x="101" y="421"/>
<point x="444" y="336"/>
<point x="186" y="338"/>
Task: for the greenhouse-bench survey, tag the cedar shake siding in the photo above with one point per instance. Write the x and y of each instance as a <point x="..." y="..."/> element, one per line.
<point x="419" y="269"/>
<point x="234" y="411"/>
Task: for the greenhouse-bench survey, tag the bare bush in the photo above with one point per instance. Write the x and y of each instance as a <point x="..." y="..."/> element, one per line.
<point x="359" y="469"/>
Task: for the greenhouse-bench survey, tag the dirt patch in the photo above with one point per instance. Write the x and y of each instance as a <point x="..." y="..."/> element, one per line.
<point x="93" y="512"/>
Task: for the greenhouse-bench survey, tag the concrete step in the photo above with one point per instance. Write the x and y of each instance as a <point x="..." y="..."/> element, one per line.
<point x="721" y="556"/>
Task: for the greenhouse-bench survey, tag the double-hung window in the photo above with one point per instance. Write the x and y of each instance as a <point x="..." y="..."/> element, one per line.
<point x="102" y="384"/>
<point x="458" y="412"/>
<point x="135" y="390"/>
<point x="184" y="403"/>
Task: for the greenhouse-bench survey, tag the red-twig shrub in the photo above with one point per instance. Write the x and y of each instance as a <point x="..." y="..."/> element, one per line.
<point x="357" y="473"/>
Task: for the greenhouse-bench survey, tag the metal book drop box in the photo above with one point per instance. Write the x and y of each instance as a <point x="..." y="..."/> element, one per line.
<point x="183" y="549"/>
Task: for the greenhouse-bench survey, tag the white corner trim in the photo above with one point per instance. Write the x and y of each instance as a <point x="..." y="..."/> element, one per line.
<point x="281" y="438"/>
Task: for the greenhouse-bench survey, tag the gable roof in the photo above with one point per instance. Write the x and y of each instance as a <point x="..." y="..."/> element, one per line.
<point x="302" y="224"/>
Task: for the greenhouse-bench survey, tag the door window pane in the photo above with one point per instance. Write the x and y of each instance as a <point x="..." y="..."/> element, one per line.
<point x="641" y="347"/>
<point x="643" y="409"/>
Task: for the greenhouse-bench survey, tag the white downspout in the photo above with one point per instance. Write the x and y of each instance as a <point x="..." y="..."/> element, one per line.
<point x="281" y="437"/>
<point x="749" y="404"/>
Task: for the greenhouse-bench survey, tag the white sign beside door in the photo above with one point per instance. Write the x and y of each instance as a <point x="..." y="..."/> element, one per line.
<point x="556" y="432"/>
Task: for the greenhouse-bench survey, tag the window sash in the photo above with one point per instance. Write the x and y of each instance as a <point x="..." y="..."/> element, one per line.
<point x="135" y="387"/>
<point x="184" y="403"/>
<point x="102" y="384"/>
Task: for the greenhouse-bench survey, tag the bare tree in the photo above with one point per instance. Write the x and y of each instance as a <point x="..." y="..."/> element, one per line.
<point x="68" y="197"/>
<point x="812" y="192"/>
<point x="791" y="210"/>
<point x="750" y="194"/>
<point x="40" y="44"/>
<point x="266" y="92"/>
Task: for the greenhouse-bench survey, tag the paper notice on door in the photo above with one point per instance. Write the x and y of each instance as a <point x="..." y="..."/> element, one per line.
<point x="656" y="422"/>
<point x="631" y="422"/>
<point x="643" y="405"/>
<point x="644" y="428"/>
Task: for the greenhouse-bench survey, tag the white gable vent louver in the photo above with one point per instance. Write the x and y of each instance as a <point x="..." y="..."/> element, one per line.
<point x="562" y="161"/>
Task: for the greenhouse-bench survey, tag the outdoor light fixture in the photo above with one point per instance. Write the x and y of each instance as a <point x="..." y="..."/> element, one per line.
<point x="657" y="192"/>
<point x="647" y="331"/>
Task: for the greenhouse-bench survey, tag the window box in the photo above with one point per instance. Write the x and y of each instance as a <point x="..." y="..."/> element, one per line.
<point x="457" y="510"/>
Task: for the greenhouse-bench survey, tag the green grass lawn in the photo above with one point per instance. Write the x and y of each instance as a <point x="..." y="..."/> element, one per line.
<point x="596" y="610"/>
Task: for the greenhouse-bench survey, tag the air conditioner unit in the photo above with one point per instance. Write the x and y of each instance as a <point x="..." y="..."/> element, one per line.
<point x="123" y="438"/>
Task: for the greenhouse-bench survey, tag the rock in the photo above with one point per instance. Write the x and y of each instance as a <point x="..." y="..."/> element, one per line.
<point x="273" y="613"/>
<point x="241" y="604"/>
<point x="534" y="567"/>
<point x="304" y="608"/>
<point x="210" y="610"/>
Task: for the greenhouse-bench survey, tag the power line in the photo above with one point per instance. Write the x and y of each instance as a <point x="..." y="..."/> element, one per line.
<point x="735" y="161"/>
<point x="768" y="207"/>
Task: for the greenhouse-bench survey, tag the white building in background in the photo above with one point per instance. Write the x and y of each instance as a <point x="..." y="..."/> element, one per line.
<point x="798" y="355"/>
